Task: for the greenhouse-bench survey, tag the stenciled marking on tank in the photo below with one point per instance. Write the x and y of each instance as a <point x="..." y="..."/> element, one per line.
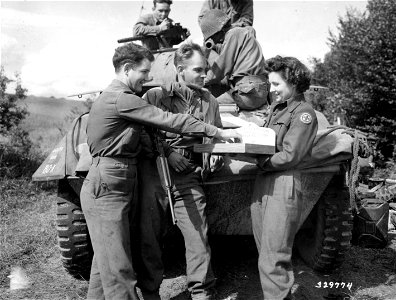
<point x="53" y="158"/>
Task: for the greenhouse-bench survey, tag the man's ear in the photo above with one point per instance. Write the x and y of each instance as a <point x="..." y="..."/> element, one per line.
<point x="180" y="69"/>
<point x="126" y="67"/>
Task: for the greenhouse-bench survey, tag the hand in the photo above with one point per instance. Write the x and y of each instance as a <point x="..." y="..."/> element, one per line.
<point x="178" y="162"/>
<point x="216" y="163"/>
<point x="227" y="134"/>
<point x="165" y="25"/>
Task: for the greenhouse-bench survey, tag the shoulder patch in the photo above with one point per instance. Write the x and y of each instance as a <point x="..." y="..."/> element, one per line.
<point x="306" y="118"/>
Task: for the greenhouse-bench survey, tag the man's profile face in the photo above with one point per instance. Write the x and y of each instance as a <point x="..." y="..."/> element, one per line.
<point x="137" y="76"/>
<point x="193" y="72"/>
<point x="161" y="11"/>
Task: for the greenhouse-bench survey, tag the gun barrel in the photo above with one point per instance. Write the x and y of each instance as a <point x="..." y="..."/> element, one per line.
<point x="131" y="39"/>
<point x="174" y="221"/>
<point x="163" y="170"/>
<point x="164" y="174"/>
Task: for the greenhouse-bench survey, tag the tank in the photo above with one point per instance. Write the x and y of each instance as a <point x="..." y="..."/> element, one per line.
<point x="325" y="227"/>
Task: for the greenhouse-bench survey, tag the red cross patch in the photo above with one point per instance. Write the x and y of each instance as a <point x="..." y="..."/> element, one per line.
<point x="306" y="118"/>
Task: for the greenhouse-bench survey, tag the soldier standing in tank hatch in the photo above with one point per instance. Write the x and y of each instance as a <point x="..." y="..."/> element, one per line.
<point x="240" y="62"/>
<point x="108" y="195"/>
<point x="154" y="23"/>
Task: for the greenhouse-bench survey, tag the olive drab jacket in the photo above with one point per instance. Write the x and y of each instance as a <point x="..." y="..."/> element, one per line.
<point x="295" y="124"/>
<point x="116" y="119"/>
<point x="200" y="103"/>
<point x="148" y="26"/>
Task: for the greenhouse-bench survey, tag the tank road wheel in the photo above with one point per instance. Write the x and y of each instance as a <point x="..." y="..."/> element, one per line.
<point x="73" y="237"/>
<point x="325" y="236"/>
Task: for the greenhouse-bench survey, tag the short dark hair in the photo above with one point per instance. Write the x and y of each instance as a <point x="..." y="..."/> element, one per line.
<point x="292" y="71"/>
<point x="162" y="1"/>
<point x="186" y="51"/>
<point x="130" y="53"/>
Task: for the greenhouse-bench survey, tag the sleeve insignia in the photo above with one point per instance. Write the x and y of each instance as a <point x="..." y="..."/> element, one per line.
<point x="306" y="118"/>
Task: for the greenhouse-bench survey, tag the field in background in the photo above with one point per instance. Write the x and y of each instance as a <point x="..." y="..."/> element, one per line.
<point x="49" y="119"/>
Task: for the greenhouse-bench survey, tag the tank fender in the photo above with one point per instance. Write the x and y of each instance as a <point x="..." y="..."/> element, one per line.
<point x="54" y="166"/>
<point x="70" y="156"/>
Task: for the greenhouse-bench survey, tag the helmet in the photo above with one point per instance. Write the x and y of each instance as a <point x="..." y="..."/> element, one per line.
<point x="212" y="22"/>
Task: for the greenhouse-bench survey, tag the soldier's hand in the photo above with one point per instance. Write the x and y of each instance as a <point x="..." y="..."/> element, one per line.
<point x="227" y="134"/>
<point x="165" y="25"/>
<point x="178" y="162"/>
<point x="216" y="163"/>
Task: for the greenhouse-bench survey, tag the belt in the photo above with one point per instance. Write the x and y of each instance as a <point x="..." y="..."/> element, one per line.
<point x="111" y="159"/>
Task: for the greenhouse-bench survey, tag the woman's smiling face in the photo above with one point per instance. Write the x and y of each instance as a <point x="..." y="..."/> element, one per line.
<point x="280" y="88"/>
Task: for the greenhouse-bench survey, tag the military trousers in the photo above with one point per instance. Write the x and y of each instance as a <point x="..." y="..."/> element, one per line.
<point x="189" y="209"/>
<point x="276" y="210"/>
<point x="109" y="199"/>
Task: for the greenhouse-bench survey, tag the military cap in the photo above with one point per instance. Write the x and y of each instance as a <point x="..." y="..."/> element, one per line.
<point x="212" y="22"/>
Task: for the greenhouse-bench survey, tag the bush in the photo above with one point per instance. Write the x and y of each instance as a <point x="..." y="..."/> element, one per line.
<point x="17" y="157"/>
<point x="360" y="71"/>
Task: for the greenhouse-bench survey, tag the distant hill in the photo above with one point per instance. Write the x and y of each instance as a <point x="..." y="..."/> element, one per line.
<point x="49" y="119"/>
<point x="52" y="108"/>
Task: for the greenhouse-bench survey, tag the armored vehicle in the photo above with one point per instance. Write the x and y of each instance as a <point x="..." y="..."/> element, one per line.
<point x="326" y="225"/>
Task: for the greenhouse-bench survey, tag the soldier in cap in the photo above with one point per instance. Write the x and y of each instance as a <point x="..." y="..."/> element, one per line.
<point x="108" y="195"/>
<point x="240" y="62"/>
<point x="154" y="23"/>
<point x="277" y="195"/>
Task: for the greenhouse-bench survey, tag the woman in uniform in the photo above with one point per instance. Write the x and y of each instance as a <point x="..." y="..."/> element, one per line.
<point x="276" y="202"/>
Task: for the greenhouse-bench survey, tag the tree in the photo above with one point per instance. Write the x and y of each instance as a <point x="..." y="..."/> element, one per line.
<point x="11" y="113"/>
<point x="360" y="70"/>
<point x="15" y="145"/>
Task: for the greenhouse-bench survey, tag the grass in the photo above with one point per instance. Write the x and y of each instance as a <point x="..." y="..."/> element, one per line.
<point x="28" y="236"/>
<point x="28" y="239"/>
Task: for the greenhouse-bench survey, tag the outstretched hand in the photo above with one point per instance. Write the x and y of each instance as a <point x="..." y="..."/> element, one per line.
<point x="227" y="134"/>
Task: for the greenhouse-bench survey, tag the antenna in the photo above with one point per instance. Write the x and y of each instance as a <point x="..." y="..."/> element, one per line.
<point x="141" y="8"/>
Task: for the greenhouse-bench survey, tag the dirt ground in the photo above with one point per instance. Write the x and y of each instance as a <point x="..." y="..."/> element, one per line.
<point x="370" y="274"/>
<point x="366" y="274"/>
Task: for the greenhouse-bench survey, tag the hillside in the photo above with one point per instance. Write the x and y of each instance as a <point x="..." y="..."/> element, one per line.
<point x="49" y="119"/>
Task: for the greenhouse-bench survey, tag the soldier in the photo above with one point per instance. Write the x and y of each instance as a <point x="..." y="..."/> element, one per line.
<point x="276" y="201"/>
<point x="108" y="195"/>
<point x="240" y="62"/>
<point x="186" y="168"/>
<point x="239" y="11"/>
<point x="154" y="23"/>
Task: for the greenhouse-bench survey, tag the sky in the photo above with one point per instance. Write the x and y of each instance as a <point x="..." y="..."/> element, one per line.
<point x="65" y="47"/>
